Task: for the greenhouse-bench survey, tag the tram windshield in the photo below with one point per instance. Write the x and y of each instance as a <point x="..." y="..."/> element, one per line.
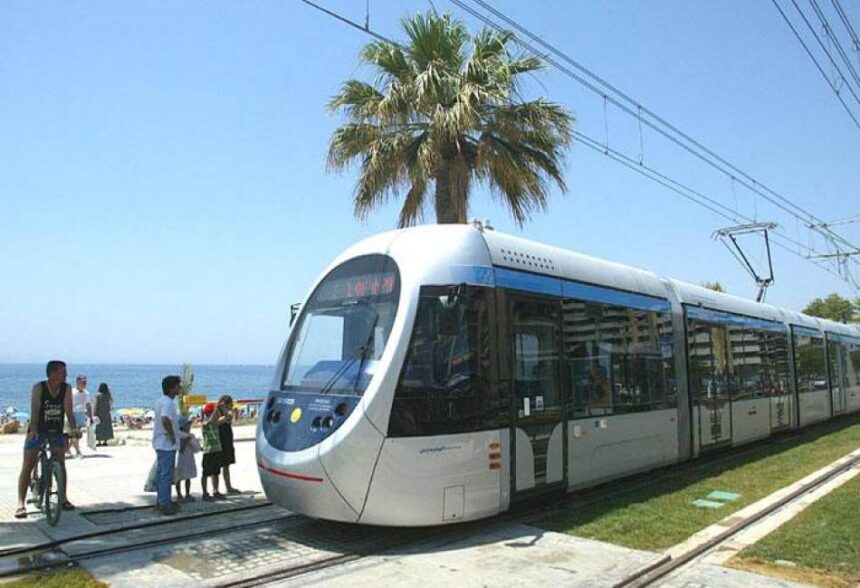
<point x="343" y="328"/>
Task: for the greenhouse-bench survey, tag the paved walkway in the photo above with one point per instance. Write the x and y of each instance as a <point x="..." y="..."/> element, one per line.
<point x="507" y="555"/>
<point x="108" y="478"/>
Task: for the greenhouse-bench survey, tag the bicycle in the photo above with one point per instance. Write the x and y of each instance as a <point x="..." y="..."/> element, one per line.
<point x="47" y="483"/>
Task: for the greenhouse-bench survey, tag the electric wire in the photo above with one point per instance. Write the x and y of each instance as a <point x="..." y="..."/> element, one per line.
<point x="364" y="29"/>
<point x="697" y="197"/>
<point x="836" y="43"/>
<point x="815" y="61"/>
<point x="751" y="183"/>
<point x="826" y="51"/>
<point x="620" y="158"/>
<point x="847" y="24"/>
<point x="756" y="187"/>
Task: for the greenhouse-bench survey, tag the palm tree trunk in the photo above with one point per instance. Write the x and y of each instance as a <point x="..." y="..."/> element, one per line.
<point x="446" y="212"/>
<point x="452" y="192"/>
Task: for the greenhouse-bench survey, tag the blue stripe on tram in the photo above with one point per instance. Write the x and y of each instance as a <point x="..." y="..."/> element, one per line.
<point x="806" y="331"/>
<point x="735" y="320"/>
<point x="559" y="288"/>
<point x="851" y="339"/>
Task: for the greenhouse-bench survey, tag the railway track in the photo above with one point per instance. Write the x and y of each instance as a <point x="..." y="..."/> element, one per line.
<point x="43" y="556"/>
<point x="667" y="565"/>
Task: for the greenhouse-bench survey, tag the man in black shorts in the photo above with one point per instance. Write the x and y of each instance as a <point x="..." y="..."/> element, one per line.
<point x="50" y="403"/>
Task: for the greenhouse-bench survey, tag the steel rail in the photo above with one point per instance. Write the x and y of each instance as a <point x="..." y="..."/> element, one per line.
<point x="655" y="571"/>
<point x="96" y="553"/>
<point x="115" y="530"/>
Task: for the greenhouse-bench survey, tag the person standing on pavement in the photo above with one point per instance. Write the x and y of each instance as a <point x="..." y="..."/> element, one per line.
<point x="165" y="441"/>
<point x="83" y="410"/>
<point x="102" y="408"/>
<point x="211" y="452"/>
<point x="225" y="432"/>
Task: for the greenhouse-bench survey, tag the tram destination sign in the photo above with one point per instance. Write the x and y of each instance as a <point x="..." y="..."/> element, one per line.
<point x="356" y="287"/>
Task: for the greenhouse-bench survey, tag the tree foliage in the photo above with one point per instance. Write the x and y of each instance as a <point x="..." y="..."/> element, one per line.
<point x="442" y="114"/>
<point x="835" y="308"/>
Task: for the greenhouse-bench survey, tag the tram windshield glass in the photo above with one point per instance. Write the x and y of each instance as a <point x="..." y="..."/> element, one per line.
<point x="343" y="328"/>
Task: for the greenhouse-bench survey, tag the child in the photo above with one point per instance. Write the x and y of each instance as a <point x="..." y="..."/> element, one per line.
<point x="211" y="452"/>
<point x="186" y="467"/>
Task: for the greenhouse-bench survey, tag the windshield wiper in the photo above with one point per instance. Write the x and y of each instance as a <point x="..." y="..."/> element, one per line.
<point x="370" y="337"/>
<point x="345" y="367"/>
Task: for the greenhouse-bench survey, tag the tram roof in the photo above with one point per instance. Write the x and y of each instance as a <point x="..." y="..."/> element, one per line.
<point x="467" y="243"/>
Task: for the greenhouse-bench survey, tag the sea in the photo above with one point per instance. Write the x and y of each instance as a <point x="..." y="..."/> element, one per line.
<point x="138" y="385"/>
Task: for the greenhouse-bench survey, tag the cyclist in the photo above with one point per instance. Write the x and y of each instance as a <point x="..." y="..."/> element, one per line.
<point x="50" y="402"/>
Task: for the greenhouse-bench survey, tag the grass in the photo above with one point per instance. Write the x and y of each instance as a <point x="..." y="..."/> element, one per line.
<point x="823" y="542"/>
<point x="659" y="515"/>
<point x="66" y="578"/>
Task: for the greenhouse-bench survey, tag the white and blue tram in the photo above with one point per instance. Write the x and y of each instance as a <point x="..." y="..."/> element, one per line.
<point x="442" y="373"/>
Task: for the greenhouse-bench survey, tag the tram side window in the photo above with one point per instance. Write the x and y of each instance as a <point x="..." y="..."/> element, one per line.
<point x="536" y="376"/>
<point x="854" y="367"/>
<point x="735" y="362"/>
<point x="618" y="359"/>
<point x="445" y="385"/>
<point x="740" y="366"/>
<point x="775" y="360"/>
<point x="809" y="359"/>
<point x="710" y="363"/>
<point x="836" y="355"/>
<point x="755" y="362"/>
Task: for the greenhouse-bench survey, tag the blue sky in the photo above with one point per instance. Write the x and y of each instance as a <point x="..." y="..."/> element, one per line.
<point x="162" y="165"/>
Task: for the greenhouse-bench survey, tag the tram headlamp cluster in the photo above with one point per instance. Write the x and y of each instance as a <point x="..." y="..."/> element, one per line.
<point x="322" y="423"/>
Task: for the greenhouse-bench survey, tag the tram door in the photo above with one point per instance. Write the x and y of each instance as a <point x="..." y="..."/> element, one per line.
<point x="709" y="366"/>
<point x="838" y="381"/>
<point x="539" y="432"/>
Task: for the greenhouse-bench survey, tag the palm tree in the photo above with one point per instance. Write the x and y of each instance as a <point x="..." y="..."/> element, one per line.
<point x="443" y="113"/>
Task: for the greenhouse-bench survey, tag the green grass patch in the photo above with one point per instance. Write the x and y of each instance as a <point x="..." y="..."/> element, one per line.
<point x="824" y="537"/>
<point x="653" y="511"/>
<point x="67" y="578"/>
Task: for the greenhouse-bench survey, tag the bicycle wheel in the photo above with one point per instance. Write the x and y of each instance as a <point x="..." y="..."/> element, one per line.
<point x="36" y="485"/>
<point x="54" y="497"/>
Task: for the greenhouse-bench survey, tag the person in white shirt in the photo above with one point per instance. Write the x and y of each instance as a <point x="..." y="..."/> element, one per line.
<point x="83" y="410"/>
<point x="165" y="441"/>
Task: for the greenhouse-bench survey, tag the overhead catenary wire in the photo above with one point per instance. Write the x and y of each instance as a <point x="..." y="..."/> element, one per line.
<point x="635" y="109"/>
<point x="662" y="179"/>
<point x="844" y="18"/>
<point x="845" y="81"/>
<point x="836" y="42"/>
<point x="364" y="29"/>
<point x="815" y="61"/>
<point x="657" y="123"/>
<point x="697" y="197"/>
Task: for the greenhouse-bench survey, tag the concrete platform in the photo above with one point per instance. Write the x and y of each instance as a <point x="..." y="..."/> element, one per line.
<point x="108" y="478"/>
<point x="508" y="555"/>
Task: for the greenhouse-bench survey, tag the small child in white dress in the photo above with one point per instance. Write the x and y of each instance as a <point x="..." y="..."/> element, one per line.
<point x="186" y="467"/>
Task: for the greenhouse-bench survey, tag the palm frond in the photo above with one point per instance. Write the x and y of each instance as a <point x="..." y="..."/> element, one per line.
<point x="436" y="37"/>
<point x="359" y="100"/>
<point x="413" y="205"/>
<point x="392" y="62"/>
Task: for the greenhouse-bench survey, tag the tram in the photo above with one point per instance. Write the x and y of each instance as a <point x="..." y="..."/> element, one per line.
<point x="443" y="373"/>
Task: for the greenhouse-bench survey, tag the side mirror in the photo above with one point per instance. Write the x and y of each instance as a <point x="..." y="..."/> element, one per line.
<point x="452" y="309"/>
<point x="456" y="294"/>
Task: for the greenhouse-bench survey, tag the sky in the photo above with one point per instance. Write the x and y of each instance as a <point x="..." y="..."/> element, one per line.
<point x="163" y="190"/>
